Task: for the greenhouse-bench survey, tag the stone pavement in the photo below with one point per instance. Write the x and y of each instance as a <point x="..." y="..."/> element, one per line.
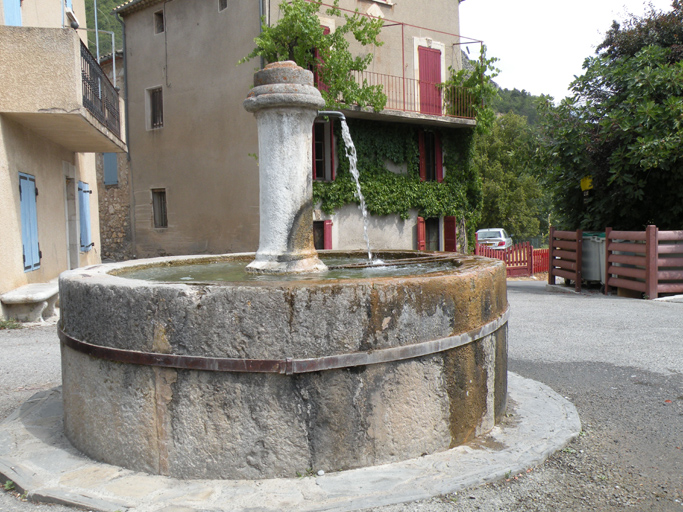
<point x="36" y="456"/>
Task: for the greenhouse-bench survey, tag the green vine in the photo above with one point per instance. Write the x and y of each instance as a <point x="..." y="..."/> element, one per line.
<point x="386" y="192"/>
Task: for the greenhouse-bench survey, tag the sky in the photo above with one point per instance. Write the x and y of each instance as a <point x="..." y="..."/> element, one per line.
<point x="541" y="44"/>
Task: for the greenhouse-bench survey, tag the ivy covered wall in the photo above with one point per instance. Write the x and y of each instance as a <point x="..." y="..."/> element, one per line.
<point x="386" y="192"/>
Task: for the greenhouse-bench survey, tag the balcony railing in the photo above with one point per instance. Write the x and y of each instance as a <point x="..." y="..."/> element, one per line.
<point x="99" y="96"/>
<point x="411" y="95"/>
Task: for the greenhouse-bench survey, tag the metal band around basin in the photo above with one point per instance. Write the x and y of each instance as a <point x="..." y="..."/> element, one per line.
<point x="284" y="366"/>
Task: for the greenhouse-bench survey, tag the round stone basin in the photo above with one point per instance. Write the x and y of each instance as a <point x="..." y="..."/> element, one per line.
<point x="268" y="377"/>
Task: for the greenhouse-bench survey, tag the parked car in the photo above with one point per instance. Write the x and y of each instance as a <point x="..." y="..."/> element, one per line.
<point x="495" y="238"/>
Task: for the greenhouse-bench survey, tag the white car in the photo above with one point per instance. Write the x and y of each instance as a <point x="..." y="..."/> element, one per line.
<point x="495" y="238"/>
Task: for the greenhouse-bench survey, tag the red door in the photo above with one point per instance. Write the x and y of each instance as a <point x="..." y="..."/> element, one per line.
<point x="450" y="232"/>
<point x="430" y="76"/>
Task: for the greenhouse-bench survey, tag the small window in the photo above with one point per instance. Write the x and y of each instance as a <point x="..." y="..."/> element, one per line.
<point x="159" y="208"/>
<point x="156" y="108"/>
<point x="159" y="22"/>
<point x="222" y="5"/>
<point x="111" y="174"/>
<point x="323" y="151"/>
<point x="322" y="234"/>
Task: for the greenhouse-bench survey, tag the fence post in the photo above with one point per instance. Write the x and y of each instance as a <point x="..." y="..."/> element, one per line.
<point x="530" y="258"/>
<point x="608" y="231"/>
<point x="579" y="259"/>
<point x="551" y="234"/>
<point x="651" y="263"/>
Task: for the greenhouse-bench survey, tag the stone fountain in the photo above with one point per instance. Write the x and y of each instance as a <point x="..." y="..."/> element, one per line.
<point x="285" y="367"/>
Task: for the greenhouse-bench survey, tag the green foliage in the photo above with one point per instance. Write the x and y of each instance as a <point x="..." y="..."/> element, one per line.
<point x="480" y="83"/>
<point x="9" y="485"/>
<point x="387" y="192"/>
<point x="10" y="324"/>
<point x="513" y="196"/>
<point x="655" y="28"/>
<point x="298" y="36"/>
<point x="518" y="102"/>
<point x="623" y="127"/>
<point x="106" y="20"/>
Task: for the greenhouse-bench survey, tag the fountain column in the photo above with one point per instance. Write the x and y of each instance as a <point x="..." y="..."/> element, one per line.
<point x="285" y="105"/>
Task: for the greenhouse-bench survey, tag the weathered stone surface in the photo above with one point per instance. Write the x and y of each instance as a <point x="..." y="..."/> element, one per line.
<point x="201" y="424"/>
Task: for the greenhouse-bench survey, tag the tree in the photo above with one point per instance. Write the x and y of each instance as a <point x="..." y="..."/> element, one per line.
<point x="521" y="103"/>
<point x="106" y="20"/>
<point x="298" y="36"/>
<point x="623" y="128"/>
<point x="505" y="159"/>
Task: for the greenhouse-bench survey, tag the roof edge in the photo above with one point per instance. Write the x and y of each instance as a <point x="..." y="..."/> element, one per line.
<point x="134" y="5"/>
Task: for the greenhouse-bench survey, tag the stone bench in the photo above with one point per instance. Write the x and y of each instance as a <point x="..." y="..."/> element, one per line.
<point x="31" y="302"/>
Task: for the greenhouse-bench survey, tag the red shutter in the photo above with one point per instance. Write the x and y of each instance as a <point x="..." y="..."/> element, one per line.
<point x="430" y="76"/>
<point x="327" y="235"/>
<point x="438" y="157"/>
<point x="450" y="234"/>
<point x="317" y="81"/>
<point x="423" y="159"/>
<point x="421" y="234"/>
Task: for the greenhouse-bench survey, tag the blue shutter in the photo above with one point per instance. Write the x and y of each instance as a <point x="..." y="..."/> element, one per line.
<point x="84" y="211"/>
<point x="12" y="12"/>
<point x="29" y="222"/>
<point x="111" y="175"/>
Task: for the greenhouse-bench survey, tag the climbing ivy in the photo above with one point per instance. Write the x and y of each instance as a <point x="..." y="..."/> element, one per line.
<point x="386" y="192"/>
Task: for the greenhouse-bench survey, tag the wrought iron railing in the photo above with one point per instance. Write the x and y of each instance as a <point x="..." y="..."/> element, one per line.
<point x="99" y="96"/>
<point x="411" y="95"/>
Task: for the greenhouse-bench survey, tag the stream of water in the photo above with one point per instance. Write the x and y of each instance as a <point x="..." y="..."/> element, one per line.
<point x="353" y="160"/>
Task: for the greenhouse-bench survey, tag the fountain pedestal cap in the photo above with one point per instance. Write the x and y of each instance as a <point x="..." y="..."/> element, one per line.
<point x="285" y="105"/>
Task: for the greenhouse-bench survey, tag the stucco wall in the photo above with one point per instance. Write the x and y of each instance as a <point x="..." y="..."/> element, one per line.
<point x="385" y="232"/>
<point x="44" y="73"/>
<point x="201" y="155"/>
<point x="21" y="150"/>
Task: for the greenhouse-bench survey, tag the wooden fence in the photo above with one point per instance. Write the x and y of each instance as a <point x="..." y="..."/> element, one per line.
<point x="520" y="259"/>
<point x="565" y="256"/>
<point x="541" y="259"/>
<point x="650" y="261"/>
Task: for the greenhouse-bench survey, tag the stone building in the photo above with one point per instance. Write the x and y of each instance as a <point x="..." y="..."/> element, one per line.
<point x="56" y="111"/>
<point x="114" y="184"/>
<point x="195" y="178"/>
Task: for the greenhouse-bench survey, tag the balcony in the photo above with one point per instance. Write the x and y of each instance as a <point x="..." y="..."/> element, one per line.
<point x="408" y="98"/>
<point x="53" y="85"/>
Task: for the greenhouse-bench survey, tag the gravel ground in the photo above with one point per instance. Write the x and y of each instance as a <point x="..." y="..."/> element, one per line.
<point x="620" y="361"/>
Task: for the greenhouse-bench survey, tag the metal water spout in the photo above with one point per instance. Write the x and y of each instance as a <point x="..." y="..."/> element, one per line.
<point x="331" y="113"/>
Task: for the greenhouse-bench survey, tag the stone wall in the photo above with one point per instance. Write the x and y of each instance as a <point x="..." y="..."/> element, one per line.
<point x="114" y="205"/>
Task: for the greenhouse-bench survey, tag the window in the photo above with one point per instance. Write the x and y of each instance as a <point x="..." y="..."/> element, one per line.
<point x="431" y="157"/>
<point x="109" y="163"/>
<point x="222" y="5"/>
<point x="322" y="234"/>
<point x="156" y="108"/>
<point x="159" y="22"/>
<point x="159" y="207"/>
<point x="29" y="221"/>
<point x="84" y="193"/>
<point x="323" y="151"/>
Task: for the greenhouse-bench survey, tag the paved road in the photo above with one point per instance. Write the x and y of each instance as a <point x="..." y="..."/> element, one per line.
<point x="619" y="360"/>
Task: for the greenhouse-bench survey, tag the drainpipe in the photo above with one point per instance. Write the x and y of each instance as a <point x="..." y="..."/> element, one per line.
<point x="260" y="25"/>
<point x="131" y="214"/>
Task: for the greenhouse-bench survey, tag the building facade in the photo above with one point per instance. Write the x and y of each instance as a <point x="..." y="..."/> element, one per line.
<point x="56" y="111"/>
<point x="193" y="148"/>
